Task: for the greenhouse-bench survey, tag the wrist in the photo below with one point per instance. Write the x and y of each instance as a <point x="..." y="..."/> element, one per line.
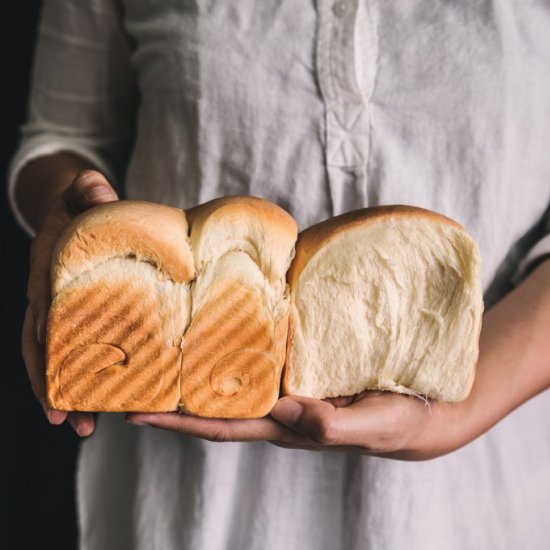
<point x="446" y="430"/>
<point x="514" y="354"/>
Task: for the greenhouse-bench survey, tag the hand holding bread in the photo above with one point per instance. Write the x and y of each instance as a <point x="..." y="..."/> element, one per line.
<point x="88" y="188"/>
<point x="512" y="368"/>
<point x="155" y="309"/>
<point x="383" y="423"/>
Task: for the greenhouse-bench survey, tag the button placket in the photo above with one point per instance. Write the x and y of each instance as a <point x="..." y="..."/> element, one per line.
<point x="346" y="48"/>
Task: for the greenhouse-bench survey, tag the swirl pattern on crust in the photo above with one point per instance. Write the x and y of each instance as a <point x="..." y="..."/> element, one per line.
<point x="107" y="350"/>
<point x="232" y="364"/>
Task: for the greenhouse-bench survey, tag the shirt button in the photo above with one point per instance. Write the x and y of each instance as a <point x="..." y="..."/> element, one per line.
<point x="339" y="8"/>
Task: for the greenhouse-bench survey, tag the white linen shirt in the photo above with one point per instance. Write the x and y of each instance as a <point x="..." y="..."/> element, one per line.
<point x="321" y="107"/>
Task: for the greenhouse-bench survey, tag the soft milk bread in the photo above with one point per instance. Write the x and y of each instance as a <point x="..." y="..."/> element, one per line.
<point x="152" y="314"/>
<point x="234" y="348"/>
<point x="120" y="306"/>
<point x="385" y="298"/>
<point x="155" y="309"/>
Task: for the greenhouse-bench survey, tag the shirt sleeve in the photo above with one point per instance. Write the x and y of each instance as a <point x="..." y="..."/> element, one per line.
<point x="83" y="94"/>
<point x="538" y="251"/>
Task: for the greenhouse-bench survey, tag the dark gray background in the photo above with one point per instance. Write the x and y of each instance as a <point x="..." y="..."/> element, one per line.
<point x="38" y="490"/>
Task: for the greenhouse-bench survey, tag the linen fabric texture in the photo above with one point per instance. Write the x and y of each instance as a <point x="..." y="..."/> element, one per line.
<point x="321" y="107"/>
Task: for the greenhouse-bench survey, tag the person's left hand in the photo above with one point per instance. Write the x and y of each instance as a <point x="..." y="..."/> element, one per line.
<point x="373" y="422"/>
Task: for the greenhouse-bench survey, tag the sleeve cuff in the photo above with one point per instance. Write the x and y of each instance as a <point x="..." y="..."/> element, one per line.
<point x="542" y="248"/>
<point x="42" y="146"/>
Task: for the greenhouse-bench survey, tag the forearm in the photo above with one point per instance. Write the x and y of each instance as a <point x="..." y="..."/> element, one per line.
<point x="514" y="361"/>
<point x="42" y="180"/>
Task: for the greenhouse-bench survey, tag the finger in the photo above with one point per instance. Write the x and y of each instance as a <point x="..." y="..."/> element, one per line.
<point x="315" y="419"/>
<point x="38" y="285"/>
<point x="340" y="401"/>
<point x="33" y="356"/>
<point x="379" y="424"/>
<point x="88" y="189"/>
<point x="39" y="308"/>
<point x="257" y="429"/>
<point x="83" y="423"/>
<point x="303" y="444"/>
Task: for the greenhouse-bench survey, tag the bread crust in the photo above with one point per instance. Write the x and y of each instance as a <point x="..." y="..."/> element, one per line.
<point x="257" y="226"/>
<point x="106" y="350"/>
<point x="151" y="232"/>
<point x="242" y="208"/>
<point x="107" y="344"/>
<point x="233" y="351"/>
<point x="231" y="361"/>
<point x="312" y="239"/>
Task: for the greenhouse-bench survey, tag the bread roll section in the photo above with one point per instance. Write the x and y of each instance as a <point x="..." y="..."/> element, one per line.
<point x="234" y="349"/>
<point x="121" y="303"/>
<point x="115" y="340"/>
<point x="388" y="299"/>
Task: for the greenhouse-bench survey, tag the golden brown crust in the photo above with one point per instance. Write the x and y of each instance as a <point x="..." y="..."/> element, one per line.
<point x="261" y="229"/>
<point x="317" y="236"/>
<point x="234" y="349"/>
<point x="239" y="209"/>
<point x="104" y="349"/>
<point x="149" y="231"/>
<point x="232" y="361"/>
<point x="105" y="352"/>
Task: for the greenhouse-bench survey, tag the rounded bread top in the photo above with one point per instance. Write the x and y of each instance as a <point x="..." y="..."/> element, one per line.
<point x="148" y="231"/>
<point x="314" y="238"/>
<point x="258" y="227"/>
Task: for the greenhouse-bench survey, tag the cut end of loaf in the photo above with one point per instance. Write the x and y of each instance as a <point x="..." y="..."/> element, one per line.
<point x="390" y="301"/>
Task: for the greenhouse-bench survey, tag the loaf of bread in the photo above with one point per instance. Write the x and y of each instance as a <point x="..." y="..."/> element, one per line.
<point x="155" y="309"/>
<point x="385" y="298"/>
<point x="142" y="321"/>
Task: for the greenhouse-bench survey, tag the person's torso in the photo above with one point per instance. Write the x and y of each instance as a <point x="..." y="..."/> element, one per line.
<point x="326" y="107"/>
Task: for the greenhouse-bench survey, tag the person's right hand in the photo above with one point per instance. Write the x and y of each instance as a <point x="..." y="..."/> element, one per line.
<point x="89" y="188"/>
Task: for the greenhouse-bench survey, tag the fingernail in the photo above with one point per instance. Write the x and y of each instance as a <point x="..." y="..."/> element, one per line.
<point x="55" y="417"/>
<point x="287" y="411"/>
<point x="82" y="431"/>
<point x="98" y="192"/>
<point x="130" y="420"/>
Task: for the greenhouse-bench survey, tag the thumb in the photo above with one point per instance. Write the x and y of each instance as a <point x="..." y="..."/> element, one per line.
<point x="318" y="420"/>
<point x="88" y="189"/>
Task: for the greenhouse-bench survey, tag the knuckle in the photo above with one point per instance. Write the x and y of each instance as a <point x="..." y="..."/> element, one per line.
<point x="85" y="176"/>
<point x="324" y="431"/>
